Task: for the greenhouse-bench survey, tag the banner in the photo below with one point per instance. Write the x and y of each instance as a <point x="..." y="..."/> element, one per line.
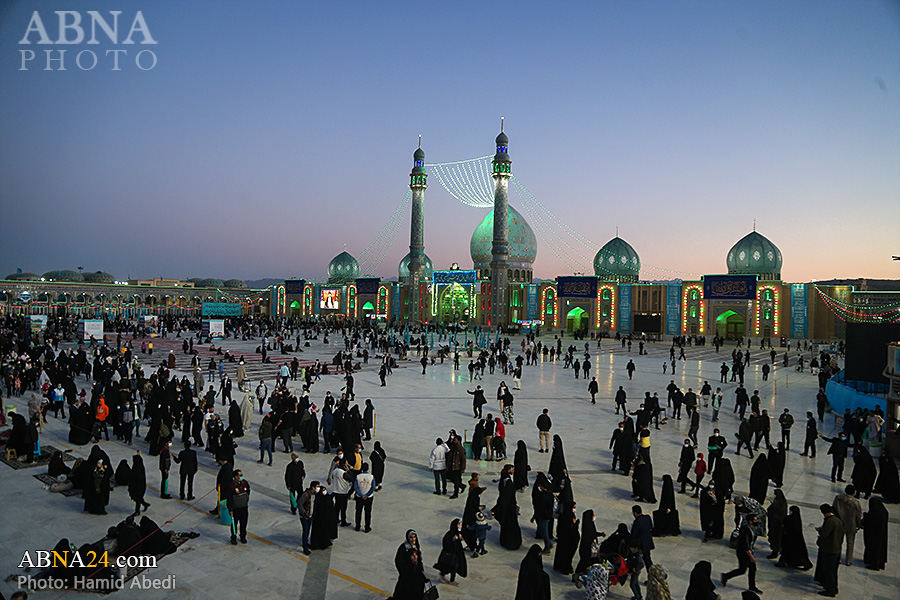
<point x="367" y="285"/>
<point x="624" y="308"/>
<point x="576" y="287"/>
<point x="88" y="328"/>
<point x="330" y="299"/>
<point x="212" y="328"/>
<point x="37" y="323"/>
<point x="460" y="277"/>
<point x="799" y="325"/>
<point x="673" y="308"/>
<point x="531" y="302"/>
<point x="729" y="287"/>
<point x="294" y="286"/>
<point x="221" y="309"/>
<point x="395" y="302"/>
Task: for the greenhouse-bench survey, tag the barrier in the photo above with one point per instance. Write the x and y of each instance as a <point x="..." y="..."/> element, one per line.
<point x="842" y="396"/>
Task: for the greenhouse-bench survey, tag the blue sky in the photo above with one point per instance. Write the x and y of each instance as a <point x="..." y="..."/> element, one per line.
<point x="270" y="134"/>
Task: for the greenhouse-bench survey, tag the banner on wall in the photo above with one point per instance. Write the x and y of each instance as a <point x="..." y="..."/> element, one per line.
<point x="625" y="308"/>
<point x="395" y="302"/>
<point x="729" y="287"/>
<point x="221" y="309"/>
<point x="468" y="277"/>
<point x="799" y="315"/>
<point x="576" y="287"/>
<point x="294" y="286"/>
<point x="367" y="285"/>
<point x="212" y="328"/>
<point x="673" y="308"/>
<point x="531" y="302"/>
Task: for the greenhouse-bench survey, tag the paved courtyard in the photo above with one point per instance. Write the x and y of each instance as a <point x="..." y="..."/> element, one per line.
<point x="411" y="412"/>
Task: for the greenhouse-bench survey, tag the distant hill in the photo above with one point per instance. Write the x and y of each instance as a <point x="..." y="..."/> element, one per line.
<point x="257" y="284"/>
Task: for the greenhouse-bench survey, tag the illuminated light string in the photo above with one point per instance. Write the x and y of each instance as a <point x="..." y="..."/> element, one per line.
<point x="890" y="306"/>
<point x="547" y="227"/>
<point x="374" y="253"/>
<point x="543" y="229"/>
<point x="759" y="300"/>
<point x="850" y="315"/>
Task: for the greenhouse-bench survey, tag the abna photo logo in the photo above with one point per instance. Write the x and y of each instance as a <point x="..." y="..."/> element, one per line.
<point x="70" y="28"/>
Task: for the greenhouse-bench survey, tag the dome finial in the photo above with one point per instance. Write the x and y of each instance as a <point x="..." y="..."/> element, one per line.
<point x="617" y="231"/>
<point x="501" y="124"/>
<point x="345" y="247"/>
<point x="754" y="224"/>
<point x="420" y="140"/>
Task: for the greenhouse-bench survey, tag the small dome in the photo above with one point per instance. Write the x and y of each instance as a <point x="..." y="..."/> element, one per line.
<point x="522" y="242"/>
<point x="206" y="282"/>
<point x="419" y="154"/>
<point x="617" y="261"/>
<point x="343" y="269"/>
<point x="63" y="276"/>
<point x="234" y="283"/>
<point x="754" y="254"/>
<point x="99" y="277"/>
<point x="502" y="140"/>
<point x="23" y="277"/>
<point x="403" y="268"/>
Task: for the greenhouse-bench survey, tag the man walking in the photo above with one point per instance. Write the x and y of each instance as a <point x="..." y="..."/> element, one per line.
<point x="305" y="508"/>
<point x="786" y="420"/>
<point x="716" y="447"/>
<point x="238" y="503"/>
<point x="437" y="464"/>
<point x="642" y="531"/>
<point x="744" y="551"/>
<point x="621" y="399"/>
<point x="544" y="424"/>
<point x="593" y="388"/>
<point x="294" y="474"/>
<point x="812" y="433"/>
<point x="848" y="510"/>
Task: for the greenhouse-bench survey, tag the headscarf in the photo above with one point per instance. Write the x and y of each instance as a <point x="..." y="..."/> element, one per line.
<point x="701" y="585"/>
<point x="408" y="543"/>
<point x="657" y="586"/>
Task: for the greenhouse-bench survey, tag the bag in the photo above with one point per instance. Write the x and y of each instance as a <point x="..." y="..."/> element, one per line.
<point x="732" y="541"/>
<point x="164" y="431"/>
<point x="224" y="517"/>
<point x="431" y="592"/>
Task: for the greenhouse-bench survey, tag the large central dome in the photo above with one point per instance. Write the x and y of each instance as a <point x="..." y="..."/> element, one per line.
<point x="343" y="269"/>
<point x="617" y="261"/>
<point x="522" y="242"/>
<point x="754" y="254"/>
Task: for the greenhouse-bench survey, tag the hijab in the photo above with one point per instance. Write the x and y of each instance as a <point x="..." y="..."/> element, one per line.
<point x="701" y="586"/>
<point x="657" y="586"/>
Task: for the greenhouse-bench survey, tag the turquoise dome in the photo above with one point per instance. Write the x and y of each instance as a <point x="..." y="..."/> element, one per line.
<point x="522" y="242"/>
<point x="63" y="276"/>
<point x="234" y="283"/>
<point x="754" y="254"/>
<point x="343" y="269"/>
<point x="26" y="276"/>
<point x="617" y="261"/>
<point x="403" y="268"/>
<point x="99" y="277"/>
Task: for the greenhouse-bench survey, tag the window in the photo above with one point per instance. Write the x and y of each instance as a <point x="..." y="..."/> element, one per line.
<point x="693" y="312"/>
<point x="693" y="294"/>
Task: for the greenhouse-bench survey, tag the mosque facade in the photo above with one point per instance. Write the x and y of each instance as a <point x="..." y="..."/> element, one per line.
<point x="749" y="300"/>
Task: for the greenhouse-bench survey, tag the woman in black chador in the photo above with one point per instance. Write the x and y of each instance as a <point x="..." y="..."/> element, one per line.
<point x="96" y="488"/>
<point x="701" y="586"/>
<point x="57" y="465"/>
<point x="617" y="542"/>
<point x="324" y="521"/>
<point x="452" y="559"/>
<point x="625" y="446"/>
<point x="588" y="536"/>
<point x="123" y="473"/>
<point x="533" y="582"/>
<point x="557" y="466"/>
<point x="478" y="440"/>
<point x="473" y="506"/>
<point x="642" y="481"/>
<point x="712" y="513"/>
<point x="377" y="458"/>
<point x="776" y="464"/>
<point x="776" y="513"/>
<point x="520" y="462"/>
<point x="665" y="519"/>
<point x="793" y="546"/>
<point x="888" y="483"/>
<point x="724" y="477"/>
<point x="863" y="476"/>
<point x="506" y="512"/>
<point x="235" y="421"/>
<point x="567" y="541"/>
<point x="137" y="484"/>
<point x="759" y="478"/>
<point x="408" y="560"/>
<point x="875" y="535"/>
<point x="309" y="433"/>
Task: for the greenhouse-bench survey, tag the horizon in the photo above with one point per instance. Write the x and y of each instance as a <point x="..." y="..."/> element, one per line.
<point x="268" y="136"/>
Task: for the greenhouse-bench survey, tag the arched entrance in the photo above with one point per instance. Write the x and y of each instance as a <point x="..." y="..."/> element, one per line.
<point x="296" y="308"/>
<point x="577" y="319"/>
<point x="730" y="325"/>
<point x="367" y="309"/>
<point x="454" y="305"/>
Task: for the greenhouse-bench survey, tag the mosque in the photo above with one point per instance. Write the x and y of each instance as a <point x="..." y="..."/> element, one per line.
<point x="750" y="300"/>
<point x="499" y="290"/>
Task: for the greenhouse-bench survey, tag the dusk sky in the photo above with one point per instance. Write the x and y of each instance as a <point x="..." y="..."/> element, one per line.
<point x="269" y="134"/>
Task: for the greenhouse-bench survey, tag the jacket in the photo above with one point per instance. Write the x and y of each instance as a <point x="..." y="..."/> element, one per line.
<point x="642" y="530"/>
<point x="240" y="495"/>
<point x="849" y="511"/>
<point x="305" y="504"/>
<point x="831" y="535"/>
<point x="544" y="423"/>
<point x="438" y="459"/>
<point x="457" y="458"/>
<point x="294" y="474"/>
<point x="188" y="460"/>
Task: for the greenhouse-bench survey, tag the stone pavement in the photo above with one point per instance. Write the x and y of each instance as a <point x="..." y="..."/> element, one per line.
<point x="411" y="412"/>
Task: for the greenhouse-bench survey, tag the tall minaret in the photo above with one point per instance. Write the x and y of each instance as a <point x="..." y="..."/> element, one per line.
<point x="417" y="183"/>
<point x="500" y="247"/>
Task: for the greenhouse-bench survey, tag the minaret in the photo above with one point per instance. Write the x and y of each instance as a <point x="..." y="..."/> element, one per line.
<point x="500" y="247"/>
<point x="417" y="183"/>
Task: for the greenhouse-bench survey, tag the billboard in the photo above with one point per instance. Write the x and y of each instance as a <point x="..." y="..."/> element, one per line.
<point x="729" y="287"/>
<point x="88" y="328"/>
<point x="576" y="287"/>
<point x="37" y="323"/>
<point x="330" y="299"/>
<point x="221" y="309"/>
<point x="212" y="328"/>
<point x="531" y="301"/>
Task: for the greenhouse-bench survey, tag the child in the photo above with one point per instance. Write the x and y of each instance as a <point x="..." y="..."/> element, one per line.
<point x="635" y="565"/>
<point x="481" y="528"/>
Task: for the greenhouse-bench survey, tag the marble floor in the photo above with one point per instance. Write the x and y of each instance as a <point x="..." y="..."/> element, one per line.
<point x="412" y="411"/>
